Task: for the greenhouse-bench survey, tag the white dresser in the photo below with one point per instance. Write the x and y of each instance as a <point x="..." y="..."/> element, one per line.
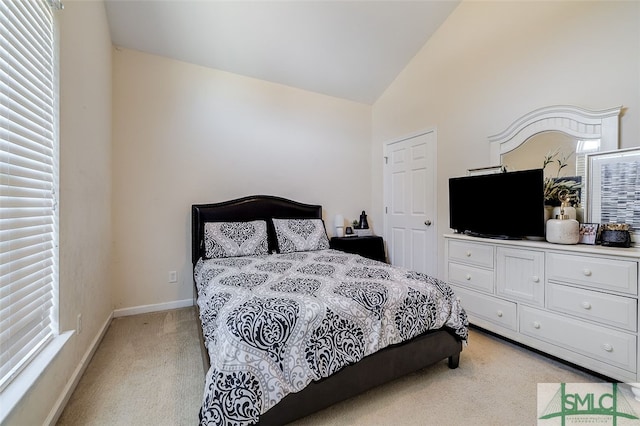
<point x="576" y="302"/>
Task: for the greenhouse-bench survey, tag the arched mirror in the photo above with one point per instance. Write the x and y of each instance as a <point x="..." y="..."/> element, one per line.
<point x="557" y="138"/>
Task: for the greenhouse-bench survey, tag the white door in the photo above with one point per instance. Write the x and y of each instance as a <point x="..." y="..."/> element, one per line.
<point x="410" y="203"/>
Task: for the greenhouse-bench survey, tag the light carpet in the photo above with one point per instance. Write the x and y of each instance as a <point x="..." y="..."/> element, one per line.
<point x="148" y="371"/>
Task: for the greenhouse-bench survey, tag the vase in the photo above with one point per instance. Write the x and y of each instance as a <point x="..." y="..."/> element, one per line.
<point x="563" y="230"/>
<point x="568" y="211"/>
<point x="548" y="213"/>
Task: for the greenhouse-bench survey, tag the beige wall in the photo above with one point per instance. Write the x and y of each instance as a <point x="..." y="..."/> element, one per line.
<point x="184" y="134"/>
<point x="85" y="201"/>
<point x="492" y="62"/>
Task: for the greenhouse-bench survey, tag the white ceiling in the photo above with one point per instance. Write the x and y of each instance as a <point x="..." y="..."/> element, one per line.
<point x="347" y="49"/>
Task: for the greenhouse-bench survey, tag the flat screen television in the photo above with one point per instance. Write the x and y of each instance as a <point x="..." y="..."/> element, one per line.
<point x="503" y="205"/>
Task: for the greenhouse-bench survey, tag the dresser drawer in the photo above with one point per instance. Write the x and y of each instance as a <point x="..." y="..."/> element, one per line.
<point x="497" y="311"/>
<point x="601" y="273"/>
<point x="520" y="275"/>
<point x="476" y="278"/>
<point x="597" y="342"/>
<point x="471" y="253"/>
<point x="604" y="308"/>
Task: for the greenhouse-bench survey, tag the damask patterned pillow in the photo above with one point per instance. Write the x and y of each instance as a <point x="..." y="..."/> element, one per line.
<point x="231" y="239"/>
<point x="300" y="235"/>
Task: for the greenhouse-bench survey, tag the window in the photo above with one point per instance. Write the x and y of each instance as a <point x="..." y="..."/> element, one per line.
<point x="28" y="180"/>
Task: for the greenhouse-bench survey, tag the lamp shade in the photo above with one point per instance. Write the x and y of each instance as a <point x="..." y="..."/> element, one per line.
<point x="339" y="221"/>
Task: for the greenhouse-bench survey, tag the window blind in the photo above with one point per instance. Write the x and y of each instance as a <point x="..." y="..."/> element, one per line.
<point x="27" y="182"/>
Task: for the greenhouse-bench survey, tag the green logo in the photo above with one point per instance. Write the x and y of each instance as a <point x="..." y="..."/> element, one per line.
<point x="588" y="405"/>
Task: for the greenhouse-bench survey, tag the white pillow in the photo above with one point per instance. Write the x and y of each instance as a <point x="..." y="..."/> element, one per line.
<point x="231" y="239"/>
<point x="300" y="235"/>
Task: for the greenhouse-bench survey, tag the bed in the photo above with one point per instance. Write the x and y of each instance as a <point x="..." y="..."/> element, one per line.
<point x="290" y="327"/>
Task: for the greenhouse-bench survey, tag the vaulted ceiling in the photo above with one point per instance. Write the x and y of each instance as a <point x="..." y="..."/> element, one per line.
<point x="348" y="49"/>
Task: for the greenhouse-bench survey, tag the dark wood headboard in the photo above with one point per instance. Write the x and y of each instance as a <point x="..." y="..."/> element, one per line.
<point x="254" y="207"/>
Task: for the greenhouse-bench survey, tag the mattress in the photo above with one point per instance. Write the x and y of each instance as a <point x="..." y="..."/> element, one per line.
<point x="274" y="323"/>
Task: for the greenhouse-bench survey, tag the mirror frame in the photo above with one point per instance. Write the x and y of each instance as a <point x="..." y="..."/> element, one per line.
<point x="577" y="122"/>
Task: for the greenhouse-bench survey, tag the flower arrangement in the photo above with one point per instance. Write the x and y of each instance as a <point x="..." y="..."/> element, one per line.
<point x="554" y="185"/>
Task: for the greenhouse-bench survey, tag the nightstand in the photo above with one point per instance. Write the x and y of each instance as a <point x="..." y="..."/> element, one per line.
<point x="371" y="247"/>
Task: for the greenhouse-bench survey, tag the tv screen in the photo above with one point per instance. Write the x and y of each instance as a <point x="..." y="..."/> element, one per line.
<point x="503" y="205"/>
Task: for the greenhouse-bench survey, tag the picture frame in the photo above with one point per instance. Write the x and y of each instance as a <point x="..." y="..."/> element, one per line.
<point x="613" y="178"/>
<point x="588" y="233"/>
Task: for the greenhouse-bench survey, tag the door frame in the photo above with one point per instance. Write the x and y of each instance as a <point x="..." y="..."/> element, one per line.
<point x="386" y="191"/>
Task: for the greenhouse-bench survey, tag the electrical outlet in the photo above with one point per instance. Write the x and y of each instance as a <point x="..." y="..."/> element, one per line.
<point x="79" y="323"/>
<point x="173" y="277"/>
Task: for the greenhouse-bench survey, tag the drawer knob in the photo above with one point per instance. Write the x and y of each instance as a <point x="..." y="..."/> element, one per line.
<point x="536" y="324"/>
<point x="607" y="347"/>
<point x="468" y="277"/>
<point x="536" y="279"/>
<point x="468" y="253"/>
<point x="587" y="272"/>
<point x="586" y="305"/>
<point x="499" y="314"/>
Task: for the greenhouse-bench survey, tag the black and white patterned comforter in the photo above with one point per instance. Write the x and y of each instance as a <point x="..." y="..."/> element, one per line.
<point x="274" y="323"/>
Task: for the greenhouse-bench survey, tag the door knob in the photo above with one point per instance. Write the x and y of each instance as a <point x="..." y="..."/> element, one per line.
<point x="427" y="222"/>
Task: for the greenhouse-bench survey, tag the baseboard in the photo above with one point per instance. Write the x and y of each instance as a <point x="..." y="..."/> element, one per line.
<point x="58" y="407"/>
<point x="135" y="310"/>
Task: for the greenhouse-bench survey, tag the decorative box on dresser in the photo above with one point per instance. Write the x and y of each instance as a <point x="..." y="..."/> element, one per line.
<point x="576" y="302"/>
